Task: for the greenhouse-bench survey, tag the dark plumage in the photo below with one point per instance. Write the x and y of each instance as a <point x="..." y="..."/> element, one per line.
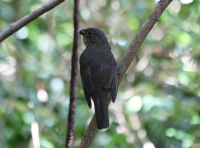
<point x="98" y="70"/>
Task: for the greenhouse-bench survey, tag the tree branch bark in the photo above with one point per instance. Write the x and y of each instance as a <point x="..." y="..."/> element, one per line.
<point x="126" y="61"/>
<point x="74" y="78"/>
<point x="12" y="28"/>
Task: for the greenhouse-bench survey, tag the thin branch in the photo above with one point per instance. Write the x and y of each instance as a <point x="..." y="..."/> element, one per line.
<point x="74" y="78"/>
<point x="12" y="28"/>
<point x="126" y="61"/>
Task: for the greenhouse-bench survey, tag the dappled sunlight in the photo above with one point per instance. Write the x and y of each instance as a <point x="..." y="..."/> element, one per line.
<point x="42" y="95"/>
<point x="148" y="71"/>
<point x="30" y="104"/>
<point x="96" y="5"/>
<point x="28" y="117"/>
<point x="174" y="7"/>
<point x="115" y="17"/>
<point x="186" y="1"/>
<point x="85" y="14"/>
<point x="120" y="119"/>
<point x="135" y="123"/>
<point x="130" y="138"/>
<point x="8" y="69"/>
<point x="141" y="65"/>
<point x="148" y="145"/>
<point x="49" y="122"/>
<point x="189" y="63"/>
<point x="115" y="5"/>
<point x="35" y="134"/>
<point x="142" y="133"/>
<point x="45" y="43"/>
<point x="183" y="78"/>
<point x="134" y="104"/>
<point x="121" y="42"/>
<point x="131" y="92"/>
<point x="22" y="33"/>
<point x="120" y="129"/>
<point x="170" y="81"/>
<point x="157" y="34"/>
<point x="56" y="84"/>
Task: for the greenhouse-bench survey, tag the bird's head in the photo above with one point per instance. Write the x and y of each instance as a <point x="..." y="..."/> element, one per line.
<point x="92" y="35"/>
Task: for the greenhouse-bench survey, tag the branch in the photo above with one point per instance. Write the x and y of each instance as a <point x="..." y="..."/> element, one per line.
<point x="74" y="78"/>
<point x="126" y="61"/>
<point x="12" y="28"/>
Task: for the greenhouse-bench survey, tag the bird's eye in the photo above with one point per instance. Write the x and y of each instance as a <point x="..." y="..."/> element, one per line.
<point x="89" y="33"/>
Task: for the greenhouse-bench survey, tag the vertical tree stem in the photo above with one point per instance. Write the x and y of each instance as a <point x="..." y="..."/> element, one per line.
<point x="74" y="77"/>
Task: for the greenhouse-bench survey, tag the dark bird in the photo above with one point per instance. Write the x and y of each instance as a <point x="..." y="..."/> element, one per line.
<point x="98" y="70"/>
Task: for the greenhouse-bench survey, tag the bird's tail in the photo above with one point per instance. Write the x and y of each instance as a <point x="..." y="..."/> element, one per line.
<point x="101" y="112"/>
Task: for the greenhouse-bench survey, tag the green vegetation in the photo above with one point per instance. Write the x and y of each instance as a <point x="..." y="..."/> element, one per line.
<point x="158" y="100"/>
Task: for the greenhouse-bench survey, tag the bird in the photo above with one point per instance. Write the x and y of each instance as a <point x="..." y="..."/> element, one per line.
<point x="98" y="70"/>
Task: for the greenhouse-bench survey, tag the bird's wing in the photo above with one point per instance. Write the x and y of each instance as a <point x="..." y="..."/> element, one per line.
<point x="108" y="76"/>
<point x="86" y="79"/>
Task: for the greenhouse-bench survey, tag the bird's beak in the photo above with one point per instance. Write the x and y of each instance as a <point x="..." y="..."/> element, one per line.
<point x="82" y="32"/>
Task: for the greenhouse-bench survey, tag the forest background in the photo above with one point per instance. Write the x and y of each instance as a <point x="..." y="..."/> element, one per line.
<point x="158" y="99"/>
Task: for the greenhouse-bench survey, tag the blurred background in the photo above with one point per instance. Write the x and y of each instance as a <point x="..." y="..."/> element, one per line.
<point x="158" y="100"/>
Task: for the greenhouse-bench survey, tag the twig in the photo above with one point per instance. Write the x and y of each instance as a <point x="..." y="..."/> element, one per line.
<point x="12" y="28"/>
<point x="74" y="77"/>
<point x="126" y="61"/>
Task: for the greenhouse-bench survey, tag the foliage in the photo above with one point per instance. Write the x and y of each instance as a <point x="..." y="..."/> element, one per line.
<point x="158" y="99"/>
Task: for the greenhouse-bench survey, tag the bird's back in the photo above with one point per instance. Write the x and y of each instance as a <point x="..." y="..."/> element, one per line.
<point x="98" y="70"/>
